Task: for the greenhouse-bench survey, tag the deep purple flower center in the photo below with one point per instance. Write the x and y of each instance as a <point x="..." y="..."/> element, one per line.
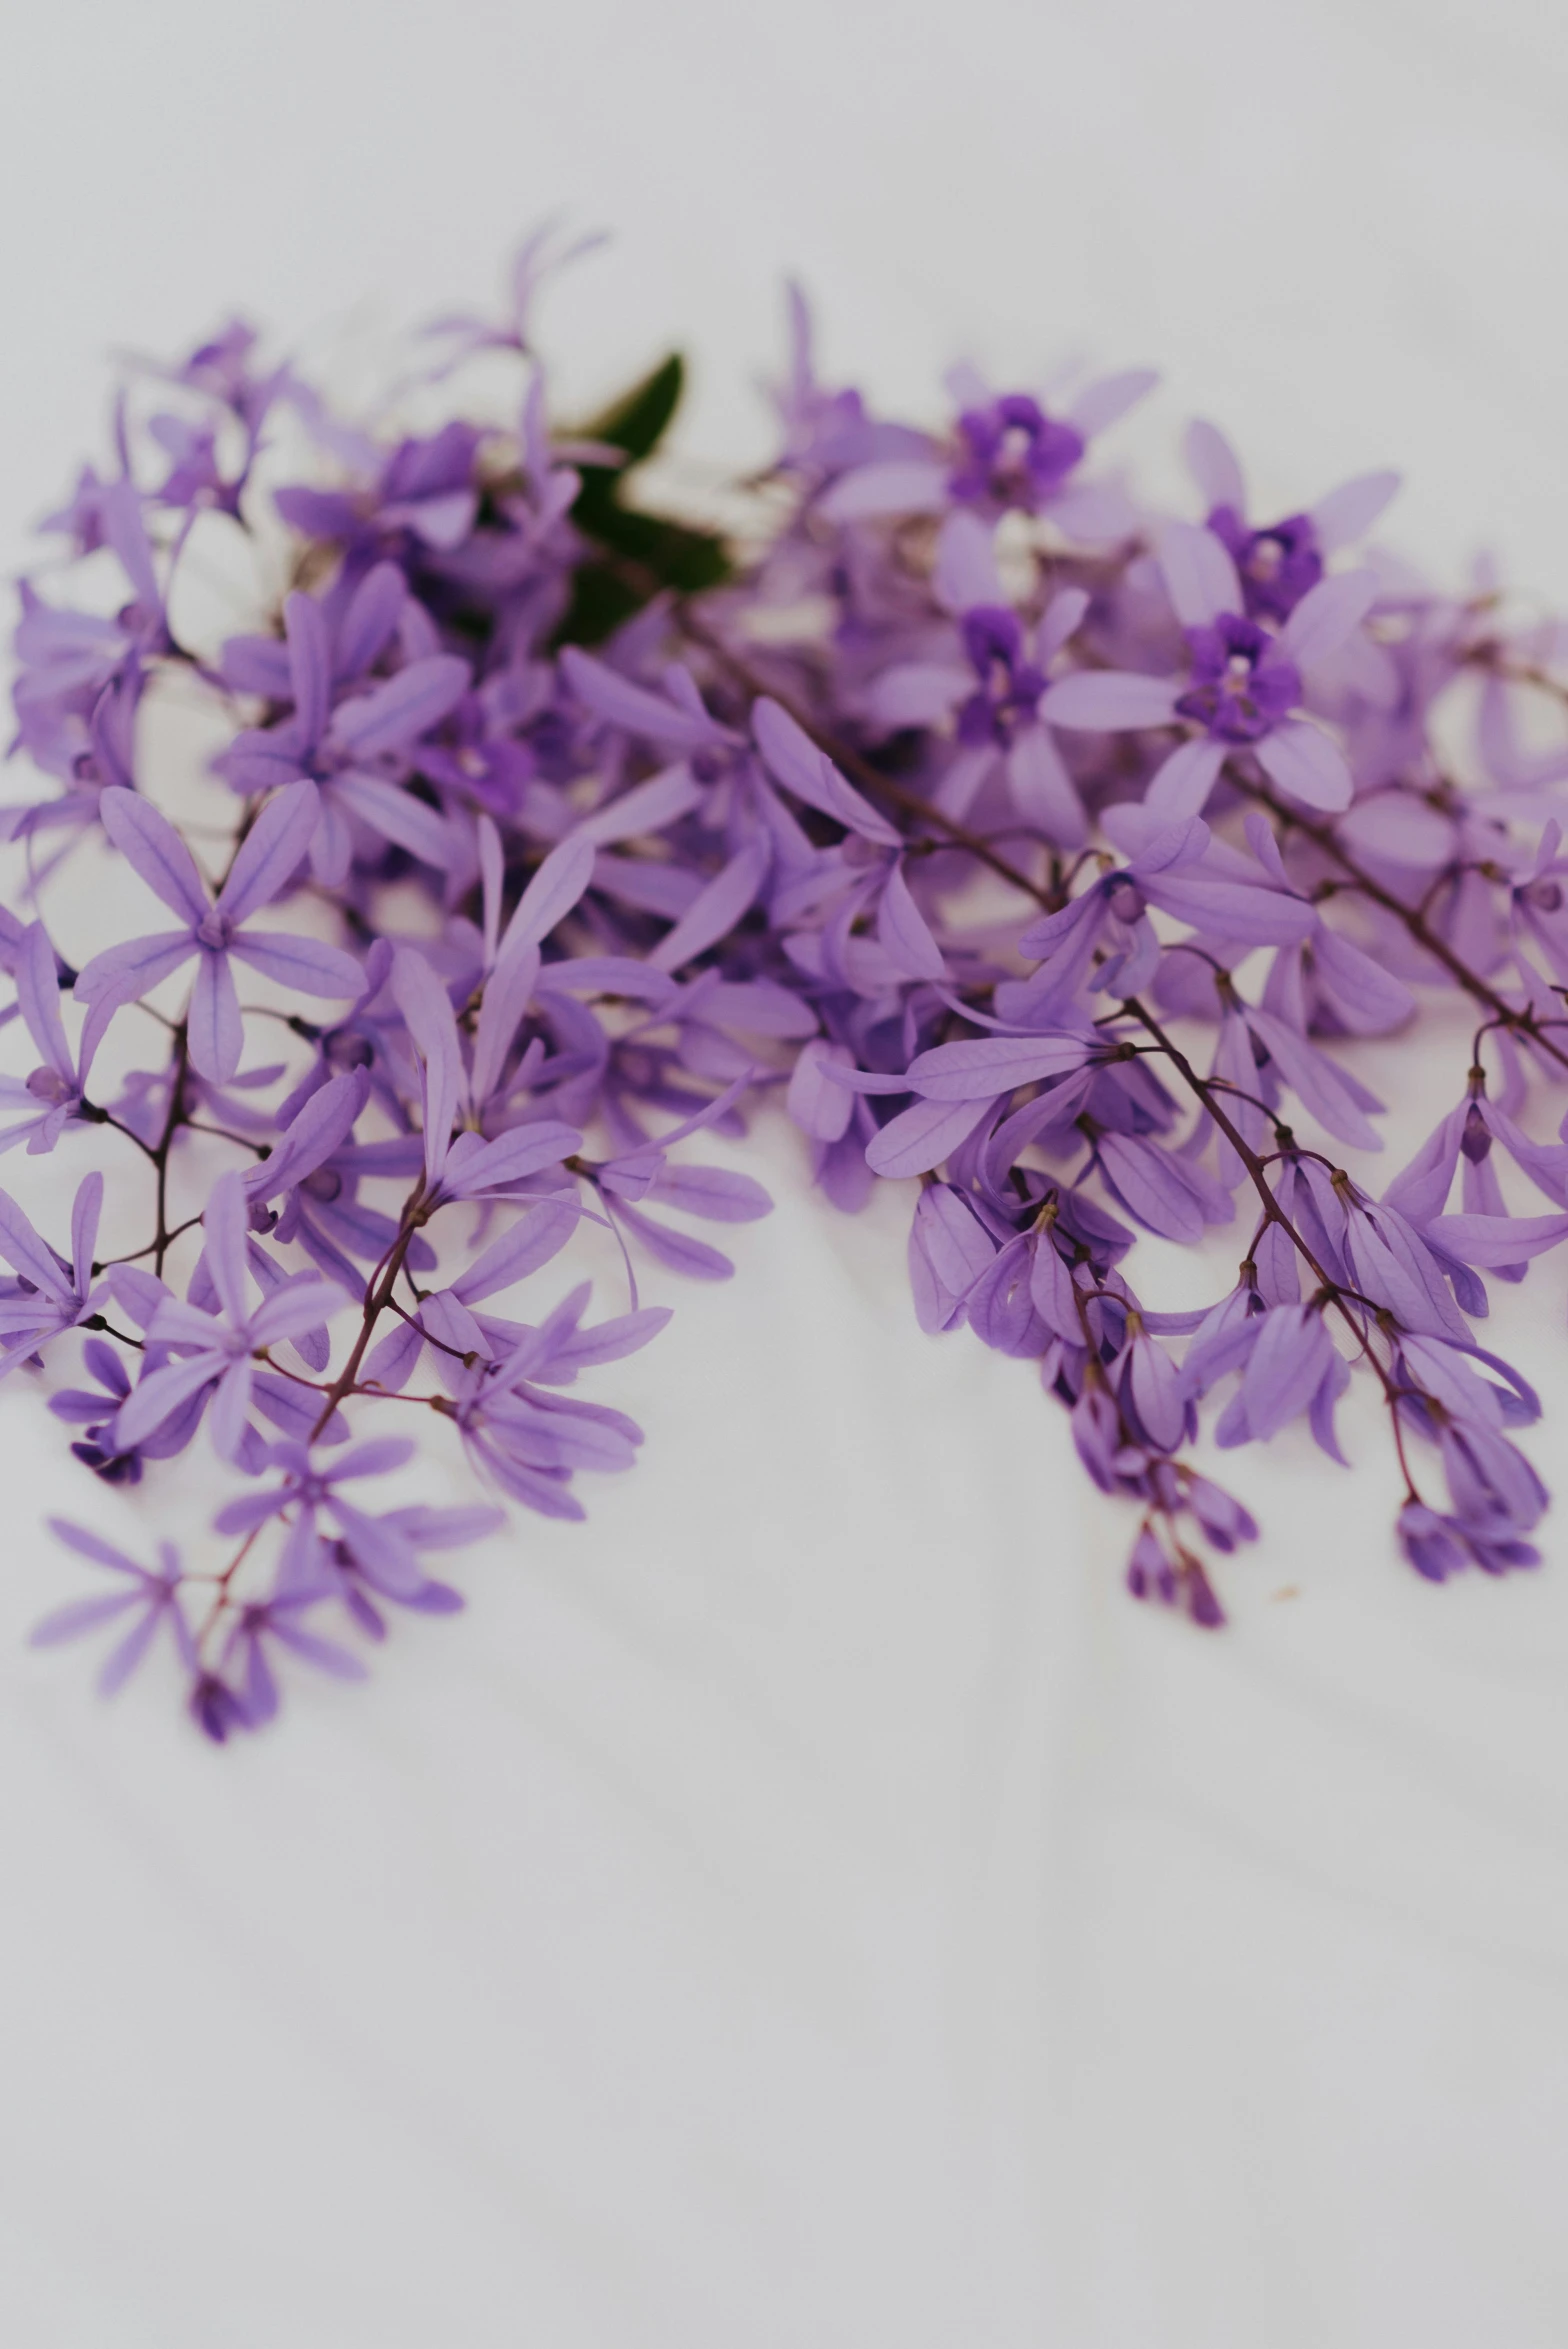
<point x="1010" y="686"/>
<point x="1242" y="685"/>
<point x="1277" y="565"/>
<point x="215" y="932"/>
<point x="1013" y="453"/>
<point x="1476" y="1139"/>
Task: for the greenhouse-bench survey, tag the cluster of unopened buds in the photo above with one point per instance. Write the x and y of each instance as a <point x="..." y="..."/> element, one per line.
<point x="1033" y="847"/>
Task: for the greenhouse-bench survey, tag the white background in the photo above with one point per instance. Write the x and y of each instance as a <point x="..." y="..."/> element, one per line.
<point x="810" y="1907"/>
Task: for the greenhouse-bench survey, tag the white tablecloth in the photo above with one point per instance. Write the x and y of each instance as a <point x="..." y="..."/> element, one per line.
<point x="810" y="1907"/>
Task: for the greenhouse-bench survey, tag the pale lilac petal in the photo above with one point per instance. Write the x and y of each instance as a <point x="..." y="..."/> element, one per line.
<point x="1380" y="1000"/>
<point x="1214" y="466"/>
<point x="26" y="1253"/>
<point x="228" y="1414"/>
<point x="1291" y="1358"/>
<point x="554" y="890"/>
<point x="903" y="932"/>
<point x="213" y="1025"/>
<point x="1306" y="766"/>
<point x="678" y="1250"/>
<point x="392" y="1360"/>
<point x="646" y="808"/>
<point x="1317" y="1083"/>
<point x="397" y="815"/>
<point x="325" y="1121"/>
<point x="1104" y="402"/>
<point x="305" y="963"/>
<point x="392" y="717"/>
<point x="1326" y="615"/>
<point x="537" y="1236"/>
<point x="1043" y="791"/>
<point x="1493" y="1240"/>
<point x="302" y="1305"/>
<point x="372" y="614"/>
<point x="1059" y="622"/>
<point x="1149" y="1184"/>
<point x="38" y="994"/>
<point x="896" y="486"/>
<point x="712" y="1192"/>
<point x="224" y="1227"/>
<point x="272" y="851"/>
<point x="508" y="991"/>
<point x="126" y="531"/>
<point x="794" y="760"/>
<point x="121" y="973"/>
<point x="175" y="1321"/>
<point x="921" y="1137"/>
<point x="1093" y="513"/>
<point x="86" y="1209"/>
<point x="818" y="1106"/>
<point x="1231" y="910"/>
<point x="427" y="1014"/>
<point x="651" y="716"/>
<point x="712" y="915"/>
<point x="1181" y="786"/>
<point x="524" y="1151"/>
<point x="1103" y="701"/>
<point x="156" y="1397"/>
<point x="1199" y="576"/>
<point x="1348" y="512"/>
<point x="915" y="693"/>
<point x="983" y="1067"/>
<point x="150" y="844"/>
<point x="93" y="1546"/>
<point x="965" y="572"/>
<point x="81" y="1615"/>
<point x="124" y="1658"/>
<point x="966" y="777"/>
<point x="310" y="664"/>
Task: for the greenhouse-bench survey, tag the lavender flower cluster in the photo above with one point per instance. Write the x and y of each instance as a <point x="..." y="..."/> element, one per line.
<point x="1033" y="846"/>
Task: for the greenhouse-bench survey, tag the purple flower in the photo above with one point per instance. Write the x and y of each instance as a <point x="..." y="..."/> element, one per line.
<point x="1283" y="562"/>
<point x="1289" y="1367"/>
<point x="219" y="1349"/>
<point x="52" y="1095"/>
<point x="1244" y="683"/>
<point x="262" y="869"/>
<point x="49" y="1295"/>
<point x="358" y="749"/>
<point x="377" y="1547"/>
<point x="464" y="1165"/>
<point x="1439" y="1546"/>
<point x="152" y="1600"/>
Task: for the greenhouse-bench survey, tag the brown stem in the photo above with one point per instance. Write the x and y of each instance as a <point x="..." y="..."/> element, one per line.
<point x="1413" y="918"/>
<point x="1274" y="1213"/>
<point x="852" y="762"/>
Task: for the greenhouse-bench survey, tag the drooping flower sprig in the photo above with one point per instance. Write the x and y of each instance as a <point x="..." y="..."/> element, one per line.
<point x="1033" y="847"/>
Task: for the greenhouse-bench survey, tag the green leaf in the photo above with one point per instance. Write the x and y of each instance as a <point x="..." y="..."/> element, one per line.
<point x="639" y="419"/>
<point x="644" y="555"/>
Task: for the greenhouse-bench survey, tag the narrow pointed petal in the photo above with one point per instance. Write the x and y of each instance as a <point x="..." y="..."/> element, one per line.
<point x="1199" y="576"/>
<point x="1181" y="787"/>
<point x="1327" y="616"/>
<point x="1104" y="701"/>
<point x="1306" y="766"/>
<point x="1348" y="512"/>
<point x="150" y="844"/>
<point x="1214" y="466"/>
<point x="213" y="1024"/>
<point x="272" y="851"/>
